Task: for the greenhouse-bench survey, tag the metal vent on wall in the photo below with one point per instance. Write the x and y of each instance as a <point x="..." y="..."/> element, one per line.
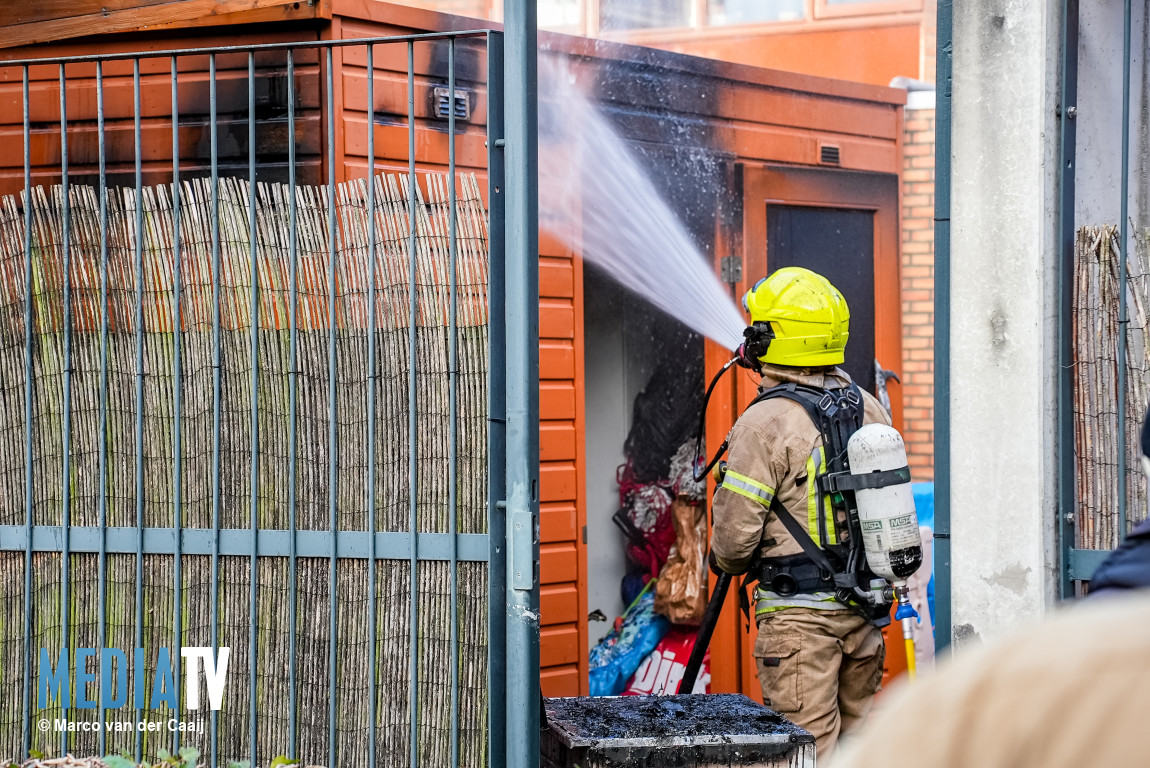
<point x="829" y="154"/>
<point x="441" y="97"/>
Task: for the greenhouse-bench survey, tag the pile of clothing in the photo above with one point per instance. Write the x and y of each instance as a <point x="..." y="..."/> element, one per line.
<point x="662" y="515"/>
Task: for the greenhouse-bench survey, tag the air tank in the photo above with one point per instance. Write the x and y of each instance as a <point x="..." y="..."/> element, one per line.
<point x="887" y="517"/>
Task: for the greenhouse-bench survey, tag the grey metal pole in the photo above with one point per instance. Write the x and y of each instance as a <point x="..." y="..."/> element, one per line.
<point x="1123" y="319"/>
<point x="1065" y="524"/>
<point x="522" y="310"/>
<point x="943" y="91"/>
<point x="496" y="406"/>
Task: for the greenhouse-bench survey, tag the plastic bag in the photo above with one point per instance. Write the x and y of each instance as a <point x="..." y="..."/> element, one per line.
<point x="681" y="591"/>
<point x="619" y="654"/>
<point x="662" y="671"/>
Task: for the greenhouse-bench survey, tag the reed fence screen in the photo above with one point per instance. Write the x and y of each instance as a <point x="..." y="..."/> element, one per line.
<point x="247" y="404"/>
<point x="128" y="390"/>
<point x="1103" y="476"/>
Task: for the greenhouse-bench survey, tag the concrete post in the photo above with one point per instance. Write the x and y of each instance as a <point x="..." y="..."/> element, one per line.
<point x="1004" y="350"/>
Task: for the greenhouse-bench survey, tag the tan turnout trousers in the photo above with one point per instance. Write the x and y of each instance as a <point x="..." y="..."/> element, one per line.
<point x="819" y="668"/>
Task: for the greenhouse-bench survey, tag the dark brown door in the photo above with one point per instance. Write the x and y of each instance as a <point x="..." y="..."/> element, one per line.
<point x="838" y="243"/>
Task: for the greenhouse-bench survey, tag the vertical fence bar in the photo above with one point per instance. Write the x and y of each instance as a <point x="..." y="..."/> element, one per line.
<point x="1066" y="185"/>
<point x="333" y="431"/>
<point x="371" y="382"/>
<point x="177" y="385"/>
<point x="66" y="491"/>
<point x="216" y="279"/>
<point x="102" y="565"/>
<point x="293" y="394"/>
<point x="942" y="463"/>
<point x="253" y="594"/>
<point x="453" y="406"/>
<point x="496" y="409"/>
<point x="413" y="455"/>
<point x="1123" y="319"/>
<point x="522" y="287"/>
<point x="28" y="487"/>
<point x="139" y="333"/>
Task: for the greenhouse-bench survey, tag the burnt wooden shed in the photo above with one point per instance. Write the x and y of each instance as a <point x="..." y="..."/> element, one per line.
<point x="784" y="151"/>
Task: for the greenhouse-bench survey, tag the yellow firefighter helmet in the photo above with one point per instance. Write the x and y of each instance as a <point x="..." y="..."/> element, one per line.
<point x="807" y="316"/>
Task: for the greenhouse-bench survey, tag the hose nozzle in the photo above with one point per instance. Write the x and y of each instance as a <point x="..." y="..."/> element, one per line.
<point x="903" y="615"/>
<point x="905" y="611"/>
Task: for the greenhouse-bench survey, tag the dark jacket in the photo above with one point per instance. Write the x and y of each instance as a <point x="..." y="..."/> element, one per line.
<point x="1127" y="567"/>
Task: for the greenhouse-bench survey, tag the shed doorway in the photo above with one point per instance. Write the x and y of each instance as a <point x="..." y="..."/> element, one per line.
<point x="641" y="365"/>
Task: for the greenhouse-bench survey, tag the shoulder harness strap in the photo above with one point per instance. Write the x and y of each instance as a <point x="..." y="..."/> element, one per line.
<point x="837" y="414"/>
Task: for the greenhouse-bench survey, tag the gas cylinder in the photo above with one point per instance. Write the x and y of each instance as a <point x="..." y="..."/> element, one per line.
<point x="886" y="514"/>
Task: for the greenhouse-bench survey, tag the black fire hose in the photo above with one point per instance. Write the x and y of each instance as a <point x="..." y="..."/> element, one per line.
<point x="706" y="629"/>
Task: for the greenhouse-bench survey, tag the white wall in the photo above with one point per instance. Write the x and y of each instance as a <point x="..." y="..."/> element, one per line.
<point x="1003" y="313"/>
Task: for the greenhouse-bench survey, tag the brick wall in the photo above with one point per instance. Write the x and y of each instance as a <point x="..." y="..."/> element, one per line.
<point x="918" y="291"/>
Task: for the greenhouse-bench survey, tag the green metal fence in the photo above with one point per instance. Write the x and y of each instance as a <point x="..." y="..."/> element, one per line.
<point x="273" y="417"/>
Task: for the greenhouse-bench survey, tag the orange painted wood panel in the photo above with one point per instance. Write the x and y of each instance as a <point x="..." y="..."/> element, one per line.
<point x="559" y="604"/>
<point x="390" y="93"/>
<point x="155" y="107"/>
<point x="394" y="57"/>
<point x="557" y="482"/>
<point x="390" y="87"/>
<point x="551" y="245"/>
<point x="155" y="92"/>
<point x="557" y="563"/>
<point x="558" y="645"/>
<point x="26" y="23"/>
<point x="872" y="54"/>
<point x="556" y="400"/>
<point x="556" y="278"/>
<point x="785" y="145"/>
<point x="557" y="522"/>
<point x="159" y="65"/>
<point x="560" y="681"/>
<point x="556" y="441"/>
<point x="581" y="479"/>
<point x="556" y="319"/>
<point x="156" y="142"/>
<point x="556" y="360"/>
<point x="430" y="146"/>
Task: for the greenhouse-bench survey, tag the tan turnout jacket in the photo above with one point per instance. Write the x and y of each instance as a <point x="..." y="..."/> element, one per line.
<point x="776" y="450"/>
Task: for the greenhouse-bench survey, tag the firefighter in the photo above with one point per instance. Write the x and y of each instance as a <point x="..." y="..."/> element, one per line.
<point x="819" y="659"/>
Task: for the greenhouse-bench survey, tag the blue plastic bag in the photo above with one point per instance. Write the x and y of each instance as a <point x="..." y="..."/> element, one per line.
<point x="924" y="509"/>
<point x="619" y="654"/>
